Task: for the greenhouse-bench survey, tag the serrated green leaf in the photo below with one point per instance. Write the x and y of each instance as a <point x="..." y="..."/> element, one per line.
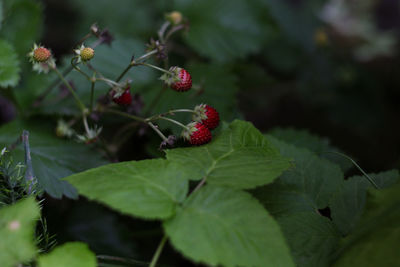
<point x="376" y="240"/>
<point x="214" y="88"/>
<point x="223" y="30"/>
<point x="319" y="145"/>
<point x="147" y="188"/>
<point x="240" y="157"/>
<point x="52" y="158"/>
<point x="311" y="237"/>
<point x="17" y="229"/>
<point x="348" y="204"/>
<point x="307" y="186"/>
<point x="74" y="254"/>
<point x="9" y="65"/>
<point x="221" y="226"/>
<point x="295" y="198"/>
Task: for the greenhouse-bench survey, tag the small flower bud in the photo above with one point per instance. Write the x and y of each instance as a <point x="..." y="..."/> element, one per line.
<point x="175" y="17"/>
<point x="41" y="54"/>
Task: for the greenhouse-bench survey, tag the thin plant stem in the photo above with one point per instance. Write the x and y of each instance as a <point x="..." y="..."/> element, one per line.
<point x="123" y="114"/>
<point x="124" y="72"/>
<point x="358" y="167"/>
<point x="92" y="95"/>
<point x="173" y="30"/>
<point x="181" y="110"/>
<point x="158" y="131"/>
<point x="108" y="81"/>
<point x="49" y="88"/>
<point x="173" y="121"/>
<point x="157" y="254"/>
<point x="133" y="63"/>
<point x="162" y="30"/>
<point x="85" y="124"/>
<point x="154" y="67"/>
<point x="170" y="112"/>
<point x="148" y="54"/>
<point x="71" y="90"/>
<point x="78" y="69"/>
<point x="119" y="259"/>
<point x="42" y="96"/>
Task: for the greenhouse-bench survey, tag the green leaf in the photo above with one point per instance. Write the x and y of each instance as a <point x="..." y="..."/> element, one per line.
<point x="52" y="158"/>
<point x="240" y="157"/>
<point x="319" y="145"/>
<point x="9" y="65"/>
<point x="214" y="88"/>
<point x="148" y="188"/>
<point x="297" y="20"/>
<point x="1" y="13"/>
<point x="348" y="204"/>
<point x="140" y="15"/>
<point x="376" y="240"/>
<point x="23" y="24"/>
<point x="311" y="237"/>
<point x="307" y="186"/>
<point x="223" y="30"/>
<point x="295" y="198"/>
<point x="222" y="226"/>
<point x="17" y="228"/>
<point x="70" y="254"/>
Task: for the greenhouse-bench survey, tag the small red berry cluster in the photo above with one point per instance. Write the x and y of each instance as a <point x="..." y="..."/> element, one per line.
<point x="205" y="119"/>
<point x="177" y="79"/>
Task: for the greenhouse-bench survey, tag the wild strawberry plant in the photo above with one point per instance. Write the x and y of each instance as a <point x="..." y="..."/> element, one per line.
<point x="214" y="189"/>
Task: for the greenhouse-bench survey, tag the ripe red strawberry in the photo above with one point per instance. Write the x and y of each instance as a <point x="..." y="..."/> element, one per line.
<point x="41" y="54"/>
<point x="125" y="99"/>
<point x="198" y="134"/>
<point x="182" y="82"/>
<point x="207" y="115"/>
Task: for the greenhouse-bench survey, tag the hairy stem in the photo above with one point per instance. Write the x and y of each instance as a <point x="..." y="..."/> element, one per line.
<point x="157" y="254"/>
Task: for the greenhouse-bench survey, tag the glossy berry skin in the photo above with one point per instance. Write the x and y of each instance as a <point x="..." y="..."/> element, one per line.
<point x="185" y="82"/>
<point x="41" y="54"/>
<point x="125" y="99"/>
<point x="207" y="115"/>
<point x="199" y="134"/>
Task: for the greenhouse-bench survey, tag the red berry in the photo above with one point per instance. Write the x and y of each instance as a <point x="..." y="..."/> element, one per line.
<point x="41" y="54"/>
<point x="207" y="115"/>
<point x="197" y="134"/>
<point x="185" y="80"/>
<point x="125" y="99"/>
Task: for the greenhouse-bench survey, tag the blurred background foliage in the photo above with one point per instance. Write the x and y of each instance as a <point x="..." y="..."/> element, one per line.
<point x="328" y="66"/>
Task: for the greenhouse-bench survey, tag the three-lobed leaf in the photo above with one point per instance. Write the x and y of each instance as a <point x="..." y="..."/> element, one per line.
<point x="240" y="157"/>
<point x="74" y="254"/>
<point x="294" y="200"/>
<point x="17" y="228"/>
<point x="222" y="226"/>
<point x="148" y="188"/>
